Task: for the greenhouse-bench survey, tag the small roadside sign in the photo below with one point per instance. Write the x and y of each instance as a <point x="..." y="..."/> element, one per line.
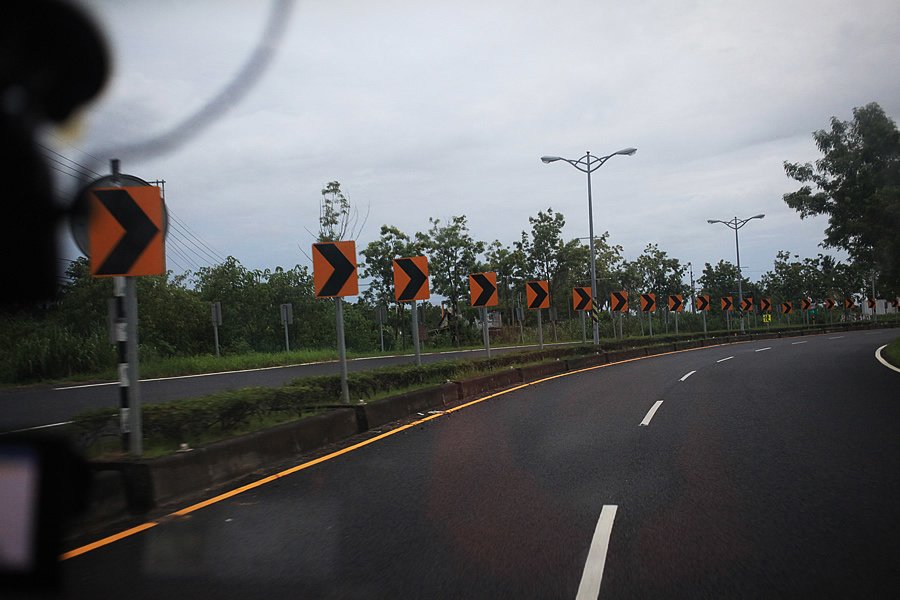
<point x="703" y="302"/>
<point x="483" y="289"/>
<point x="125" y="231"/>
<point x="537" y="294"/>
<point x="581" y="298"/>
<point x="334" y="269"/>
<point x="411" y="279"/>
<point x="676" y="303"/>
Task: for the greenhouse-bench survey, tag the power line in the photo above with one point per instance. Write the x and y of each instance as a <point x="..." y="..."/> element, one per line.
<point x="80" y="166"/>
<point x="178" y="231"/>
<point x="185" y="245"/>
<point x="218" y="256"/>
<point x="67" y="143"/>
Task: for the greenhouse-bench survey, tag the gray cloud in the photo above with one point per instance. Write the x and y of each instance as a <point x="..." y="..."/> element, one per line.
<point x="433" y="109"/>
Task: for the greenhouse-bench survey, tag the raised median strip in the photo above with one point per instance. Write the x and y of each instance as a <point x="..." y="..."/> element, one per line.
<point x="136" y="487"/>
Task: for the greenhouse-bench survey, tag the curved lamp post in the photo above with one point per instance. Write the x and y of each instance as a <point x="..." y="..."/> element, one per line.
<point x="588" y="164"/>
<point x="737" y="224"/>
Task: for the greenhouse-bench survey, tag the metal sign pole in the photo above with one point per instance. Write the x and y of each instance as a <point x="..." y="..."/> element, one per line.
<point x="583" y="327"/>
<point x="520" y="313"/>
<point x="136" y="441"/>
<point x="216" y="321"/>
<point x="415" y="332"/>
<point x="704" y="321"/>
<point x="676" y="322"/>
<point x="120" y="338"/>
<point x="379" y="312"/>
<point x="342" y="348"/>
<point x="484" y="331"/>
<point x="540" y="329"/>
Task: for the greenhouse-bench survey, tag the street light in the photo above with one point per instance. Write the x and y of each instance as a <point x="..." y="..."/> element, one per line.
<point x="737" y="224"/>
<point x="588" y="164"/>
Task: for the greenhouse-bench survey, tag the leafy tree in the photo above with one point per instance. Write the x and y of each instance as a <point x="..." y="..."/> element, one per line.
<point x="379" y="256"/>
<point x="721" y="280"/>
<point x="542" y="248"/>
<point x="857" y="184"/>
<point x="658" y="273"/>
<point x="338" y="219"/>
<point x="509" y="263"/>
<point x="453" y="255"/>
<point x="378" y="268"/>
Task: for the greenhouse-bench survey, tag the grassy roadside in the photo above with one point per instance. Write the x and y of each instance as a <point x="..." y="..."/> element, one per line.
<point x="207" y="363"/>
<point x="892" y="353"/>
<point x="193" y="365"/>
<point x="203" y="420"/>
<point x="207" y="419"/>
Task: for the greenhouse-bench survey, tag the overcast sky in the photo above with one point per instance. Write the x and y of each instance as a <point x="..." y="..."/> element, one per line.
<point x="432" y="109"/>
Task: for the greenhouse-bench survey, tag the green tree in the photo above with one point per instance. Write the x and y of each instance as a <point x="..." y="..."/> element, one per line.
<point x="856" y="184"/>
<point x="542" y="248"/>
<point x="338" y="218"/>
<point x="378" y="267"/>
<point x="721" y="280"/>
<point x="660" y="274"/>
<point x="509" y="264"/>
<point x="453" y="255"/>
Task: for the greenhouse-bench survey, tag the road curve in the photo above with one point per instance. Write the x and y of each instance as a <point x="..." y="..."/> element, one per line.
<point x="770" y="474"/>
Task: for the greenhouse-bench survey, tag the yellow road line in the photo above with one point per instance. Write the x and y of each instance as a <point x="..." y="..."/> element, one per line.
<point x="240" y="490"/>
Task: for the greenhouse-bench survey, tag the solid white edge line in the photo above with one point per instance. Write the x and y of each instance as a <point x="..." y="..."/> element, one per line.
<point x="795" y="343"/>
<point x="36" y="427"/>
<point x="687" y="375"/>
<point x="724" y="359"/>
<point x="763" y="349"/>
<point x="837" y="337"/>
<point x="651" y="412"/>
<point x="306" y="364"/>
<point x="883" y="361"/>
<point x="591" y="577"/>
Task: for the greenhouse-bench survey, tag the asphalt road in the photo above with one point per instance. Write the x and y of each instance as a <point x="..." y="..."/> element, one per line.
<point x="29" y="407"/>
<point x="764" y="469"/>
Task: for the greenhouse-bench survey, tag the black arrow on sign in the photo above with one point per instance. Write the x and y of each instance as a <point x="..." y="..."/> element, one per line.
<point x="139" y="231"/>
<point x="649" y="302"/>
<point x="619" y="303"/>
<point x="702" y="302"/>
<point x="583" y="299"/>
<point x="416" y="279"/>
<point x="539" y="294"/>
<point x="343" y="269"/>
<point x="487" y="289"/>
<point x="727" y="304"/>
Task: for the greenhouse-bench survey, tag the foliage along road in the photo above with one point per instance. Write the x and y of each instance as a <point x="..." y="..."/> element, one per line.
<point x="31" y="407"/>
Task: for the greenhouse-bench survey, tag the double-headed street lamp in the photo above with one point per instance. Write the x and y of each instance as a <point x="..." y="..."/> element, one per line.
<point x="737" y="224"/>
<point x="588" y="164"/>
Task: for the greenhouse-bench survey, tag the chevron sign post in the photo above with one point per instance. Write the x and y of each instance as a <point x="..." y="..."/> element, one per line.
<point x="483" y="293"/>
<point x="334" y="276"/>
<point x="411" y="285"/>
<point x="703" y="305"/>
<point x="537" y="296"/>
